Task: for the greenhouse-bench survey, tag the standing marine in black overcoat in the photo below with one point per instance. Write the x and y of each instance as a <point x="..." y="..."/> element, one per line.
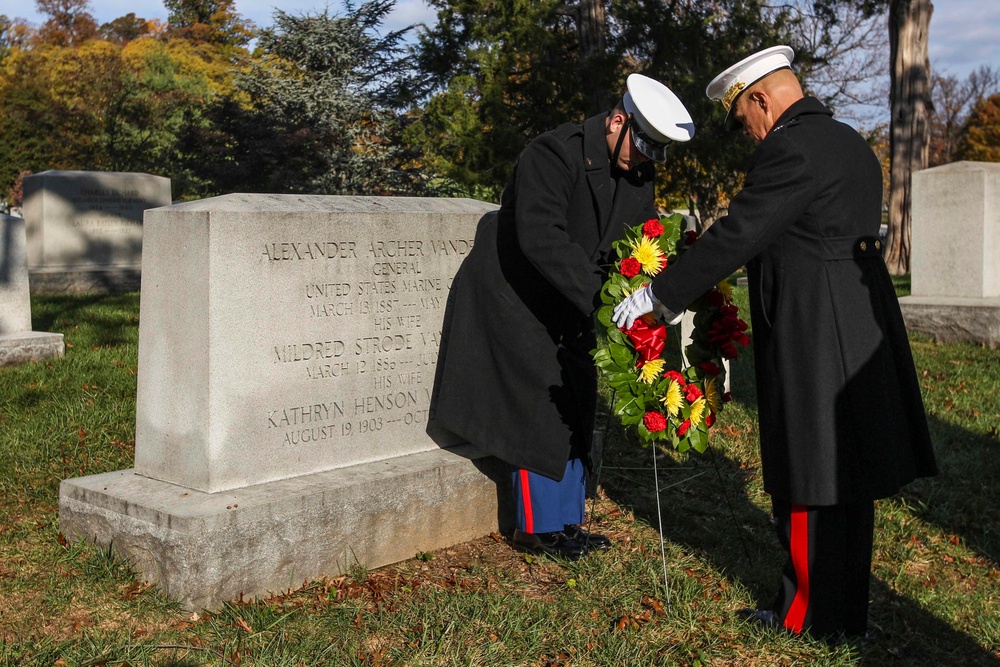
<point x="841" y="417"/>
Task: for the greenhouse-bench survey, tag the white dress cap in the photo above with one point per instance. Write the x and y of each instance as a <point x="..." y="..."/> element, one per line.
<point x="660" y="115"/>
<point x="727" y="86"/>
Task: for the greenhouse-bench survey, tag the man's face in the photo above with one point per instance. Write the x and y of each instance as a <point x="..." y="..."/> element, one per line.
<point x="751" y="112"/>
<point x="629" y="157"/>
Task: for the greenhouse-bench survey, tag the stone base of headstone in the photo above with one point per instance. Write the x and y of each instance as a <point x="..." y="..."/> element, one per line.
<point x="85" y="281"/>
<point x="954" y="319"/>
<point x="25" y="346"/>
<point x="204" y="549"/>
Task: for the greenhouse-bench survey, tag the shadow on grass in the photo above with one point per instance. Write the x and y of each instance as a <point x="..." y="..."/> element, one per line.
<point x="104" y="320"/>
<point x="705" y="497"/>
<point x="964" y="499"/>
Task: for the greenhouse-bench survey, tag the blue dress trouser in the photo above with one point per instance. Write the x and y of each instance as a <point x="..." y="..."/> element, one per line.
<point x="547" y="506"/>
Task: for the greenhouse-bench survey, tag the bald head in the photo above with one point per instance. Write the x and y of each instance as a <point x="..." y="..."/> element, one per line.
<point x="759" y="106"/>
<point x="782" y="87"/>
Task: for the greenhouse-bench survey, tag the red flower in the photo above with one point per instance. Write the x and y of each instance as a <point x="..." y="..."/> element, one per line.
<point x="715" y="299"/>
<point x="683" y="428"/>
<point x="654" y="421"/>
<point x="726" y="397"/>
<point x="692" y="393"/>
<point x="710" y="419"/>
<point x="630" y="267"/>
<point x="709" y="367"/>
<point x="726" y="329"/>
<point x="690" y="237"/>
<point x="676" y="377"/>
<point x="652" y="228"/>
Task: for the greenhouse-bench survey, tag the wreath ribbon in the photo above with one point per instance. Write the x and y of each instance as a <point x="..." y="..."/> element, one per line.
<point x="648" y="340"/>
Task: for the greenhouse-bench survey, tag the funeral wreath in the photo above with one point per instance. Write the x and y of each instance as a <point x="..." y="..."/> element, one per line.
<point x="675" y="405"/>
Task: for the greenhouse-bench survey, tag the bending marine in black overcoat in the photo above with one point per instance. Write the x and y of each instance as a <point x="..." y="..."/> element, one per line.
<point x="515" y="375"/>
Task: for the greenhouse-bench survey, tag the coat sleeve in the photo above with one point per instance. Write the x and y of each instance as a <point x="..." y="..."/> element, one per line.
<point x="545" y="182"/>
<point x="779" y="189"/>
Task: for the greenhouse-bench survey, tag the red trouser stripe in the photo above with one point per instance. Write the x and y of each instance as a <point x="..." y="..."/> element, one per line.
<point x="799" y="541"/>
<point x="529" y="519"/>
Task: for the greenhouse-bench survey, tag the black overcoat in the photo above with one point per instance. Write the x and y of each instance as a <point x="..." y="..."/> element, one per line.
<point x="514" y="375"/>
<point x="841" y="417"/>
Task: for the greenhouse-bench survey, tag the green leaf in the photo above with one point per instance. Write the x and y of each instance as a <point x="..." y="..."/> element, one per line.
<point x="622" y="356"/>
<point x="616" y="336"/>
<point x="698" y="439"/>
<point x="630" y="420"/>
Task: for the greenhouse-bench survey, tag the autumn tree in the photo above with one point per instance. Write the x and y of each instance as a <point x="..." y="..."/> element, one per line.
<point x="980" y="137"/>
<point x="14" y="34"/>
<point x="953" y="102"/>
<point x="125" y="29"/>
<point x="100" y="106"/>
<point x="211" y="21"/>
<point x="70" y="22"/>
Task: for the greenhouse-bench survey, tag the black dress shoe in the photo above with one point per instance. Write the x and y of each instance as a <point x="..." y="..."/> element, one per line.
<point x="764" y="617"/>
<point x="554" y="544"/>
<point x="589" y="541"/>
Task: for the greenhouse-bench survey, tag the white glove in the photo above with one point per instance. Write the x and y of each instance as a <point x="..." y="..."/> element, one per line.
<point x="639" y="303"/>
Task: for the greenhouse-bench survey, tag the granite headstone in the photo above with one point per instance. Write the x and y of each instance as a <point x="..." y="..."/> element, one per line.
<point x="287" y="347"/>
<point x="955" y="275"/>
<point x="18" y="343"/>
<point x="85" y="228"/>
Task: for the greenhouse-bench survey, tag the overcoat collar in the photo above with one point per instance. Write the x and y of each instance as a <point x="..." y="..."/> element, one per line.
<point x="804" y="107"/>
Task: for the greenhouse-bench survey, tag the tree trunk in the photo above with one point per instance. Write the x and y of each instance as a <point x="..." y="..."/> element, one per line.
<point x="591" y="28"/>
<point x="910" y="106"/>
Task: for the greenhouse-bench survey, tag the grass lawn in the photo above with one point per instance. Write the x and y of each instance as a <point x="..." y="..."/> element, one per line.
<point x="936" y="588"/>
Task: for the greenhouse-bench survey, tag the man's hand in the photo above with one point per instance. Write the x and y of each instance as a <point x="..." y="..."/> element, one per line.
<point x="640" y="303"/>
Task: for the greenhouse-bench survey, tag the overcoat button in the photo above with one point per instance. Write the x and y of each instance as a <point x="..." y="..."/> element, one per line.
<point x="864" y="246"/>
<point x="878" y="245"/>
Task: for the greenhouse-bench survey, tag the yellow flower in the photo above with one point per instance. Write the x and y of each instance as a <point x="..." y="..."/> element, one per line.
<point x="673" y="400"/>
<point x="725" y="288"/>
<point x="712" y="395"/>
<point x="647" y="252"/>
<point x="651" y="370"/>
<point x="697" y="410"/>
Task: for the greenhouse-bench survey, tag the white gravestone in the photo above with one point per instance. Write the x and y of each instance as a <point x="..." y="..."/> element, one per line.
<point x="287" y="347"/>
<point x="955" y="283"/>
<point x="85" y="228"/>
<point x="18" y="343"/>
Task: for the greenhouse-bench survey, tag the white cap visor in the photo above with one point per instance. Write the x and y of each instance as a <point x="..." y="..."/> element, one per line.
<point x="658" y="115"/>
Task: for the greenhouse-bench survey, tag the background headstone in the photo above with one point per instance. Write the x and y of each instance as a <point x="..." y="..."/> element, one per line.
<point x="287" y="347"/>
<point x="85" y="228"/>
<point x="955" y="272"/>
<point x="18" y="343"/>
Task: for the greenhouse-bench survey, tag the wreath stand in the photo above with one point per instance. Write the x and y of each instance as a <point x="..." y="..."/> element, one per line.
<point x="656" y="482"/>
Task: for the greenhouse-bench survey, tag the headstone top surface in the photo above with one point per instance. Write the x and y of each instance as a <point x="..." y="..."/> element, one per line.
<point x="965" y="166"/>
<point x="263" y="203"/>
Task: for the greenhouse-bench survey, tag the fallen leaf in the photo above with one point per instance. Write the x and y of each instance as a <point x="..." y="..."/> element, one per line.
<point x="243" y="624"/>
<point x="655" y="604"/>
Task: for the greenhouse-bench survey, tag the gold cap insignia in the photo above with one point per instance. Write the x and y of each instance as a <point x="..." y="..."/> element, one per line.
<point x="732" y="94"/>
